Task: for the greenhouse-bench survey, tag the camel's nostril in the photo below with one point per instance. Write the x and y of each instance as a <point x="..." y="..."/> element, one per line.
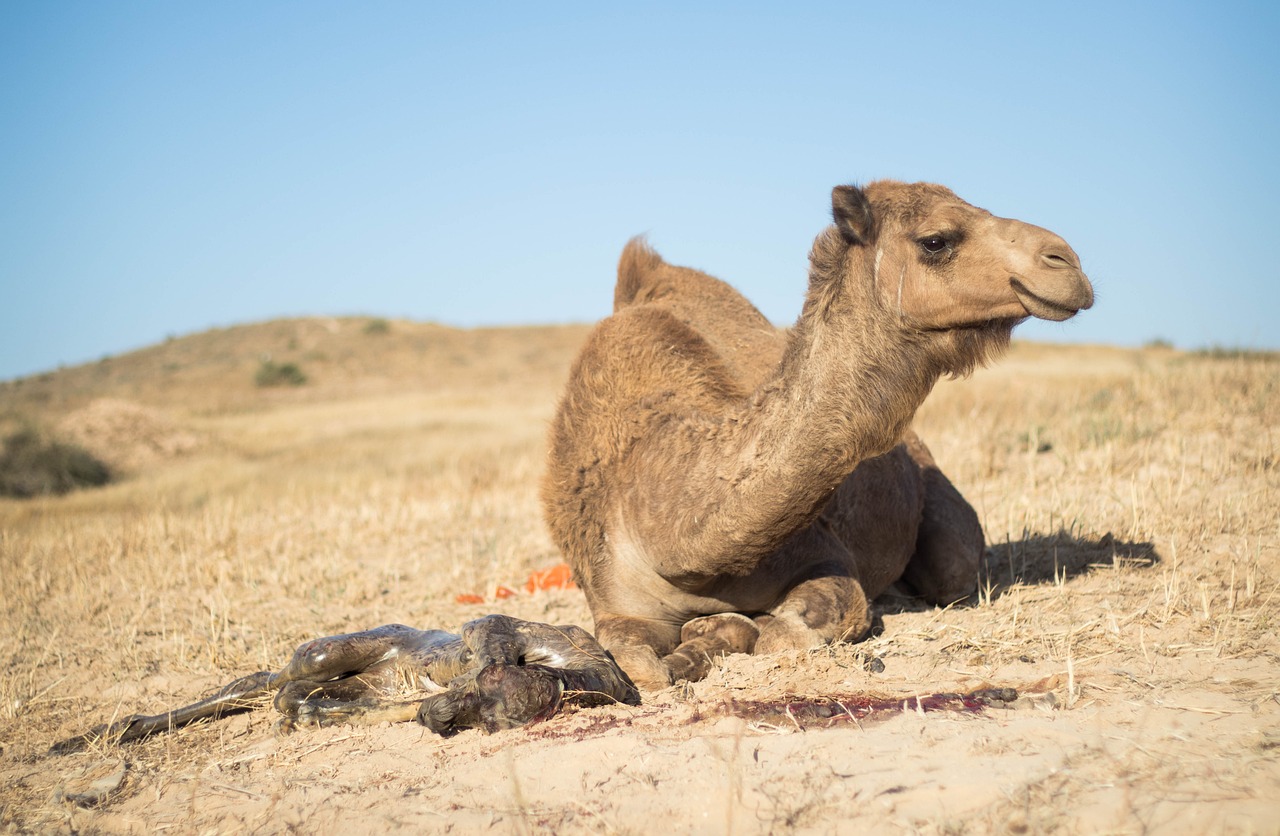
<point x="1057" y="260"/>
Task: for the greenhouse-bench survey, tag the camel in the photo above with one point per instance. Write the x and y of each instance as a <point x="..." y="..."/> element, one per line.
<point x="719" y="485"/>
<point x="499" y="673"/>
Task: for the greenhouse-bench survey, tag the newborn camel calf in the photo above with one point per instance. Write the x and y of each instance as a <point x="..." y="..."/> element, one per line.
<point x="500" y="673"/>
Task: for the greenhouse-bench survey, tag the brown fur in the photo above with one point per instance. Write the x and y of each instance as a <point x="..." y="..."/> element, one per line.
<point x="703" y="462"/>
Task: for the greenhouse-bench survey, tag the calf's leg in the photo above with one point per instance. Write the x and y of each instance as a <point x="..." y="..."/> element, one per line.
<point x="243" y="694"/>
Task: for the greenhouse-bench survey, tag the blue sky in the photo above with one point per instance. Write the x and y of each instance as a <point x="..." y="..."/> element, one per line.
<point x="170" y="167"/>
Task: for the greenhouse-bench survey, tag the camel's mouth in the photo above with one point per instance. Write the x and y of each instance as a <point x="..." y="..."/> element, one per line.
<point x="1042" y="308"/>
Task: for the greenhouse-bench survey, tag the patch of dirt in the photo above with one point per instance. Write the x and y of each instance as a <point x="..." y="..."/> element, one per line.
<point x="128" y="436"/>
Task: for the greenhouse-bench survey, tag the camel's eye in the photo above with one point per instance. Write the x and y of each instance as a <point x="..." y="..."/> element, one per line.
<point x="934" y="244"/>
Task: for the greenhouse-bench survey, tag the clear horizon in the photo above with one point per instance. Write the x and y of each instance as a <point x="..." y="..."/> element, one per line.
<point x="166" y="169"/>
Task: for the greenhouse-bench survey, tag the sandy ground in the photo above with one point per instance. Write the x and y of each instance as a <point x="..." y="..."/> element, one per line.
<point x="1129" y="595"/>
<point x="1185" y="746"/>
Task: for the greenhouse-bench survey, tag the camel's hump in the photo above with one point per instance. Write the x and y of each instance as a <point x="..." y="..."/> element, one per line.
<point x="638" y="267"/>
<point x="742" y="337"/>
<point x="644" y="277"/>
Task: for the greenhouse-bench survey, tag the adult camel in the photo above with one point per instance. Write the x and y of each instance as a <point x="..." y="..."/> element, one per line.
<point x="720" y="485"/>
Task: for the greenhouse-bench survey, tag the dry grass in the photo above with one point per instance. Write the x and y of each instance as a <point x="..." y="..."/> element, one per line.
<point x="1130" y="500"/>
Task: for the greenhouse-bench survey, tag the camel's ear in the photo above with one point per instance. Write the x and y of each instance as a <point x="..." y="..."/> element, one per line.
<point x="853" y="215"/>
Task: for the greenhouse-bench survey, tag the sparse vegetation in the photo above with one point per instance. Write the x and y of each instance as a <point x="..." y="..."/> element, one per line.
<point x="377" y="326"/>
<point x="1218" y="352"/>
<point x="32" y="464"/>
<point x="271" y="373"/>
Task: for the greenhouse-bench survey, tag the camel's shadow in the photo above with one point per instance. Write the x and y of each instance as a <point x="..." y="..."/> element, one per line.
<point x="1037" y="559"/>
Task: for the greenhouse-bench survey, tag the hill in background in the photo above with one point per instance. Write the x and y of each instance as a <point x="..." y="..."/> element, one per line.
<point x="151" y="405"/>
<point x="216" y="370"/>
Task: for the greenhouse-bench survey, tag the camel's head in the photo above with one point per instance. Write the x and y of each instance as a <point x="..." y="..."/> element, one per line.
<point x="943" y="264"/>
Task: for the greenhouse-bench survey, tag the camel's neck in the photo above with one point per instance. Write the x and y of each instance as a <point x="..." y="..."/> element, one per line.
<point x="846" y="389"/>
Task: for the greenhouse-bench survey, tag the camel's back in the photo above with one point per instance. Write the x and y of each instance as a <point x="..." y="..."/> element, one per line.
<point x="744" y="341"/>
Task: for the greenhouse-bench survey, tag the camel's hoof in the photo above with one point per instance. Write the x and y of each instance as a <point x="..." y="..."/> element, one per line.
<point x="787" y="632"/>
<point x="643" y="666"/>
<point x="683" y="669"/>
<point x="734" y="632"/>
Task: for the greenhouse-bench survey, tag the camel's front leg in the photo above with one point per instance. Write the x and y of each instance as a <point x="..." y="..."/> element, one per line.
<point x="822" y="603"/>
<point x="705" y="638"/>
<point x="829" y="605"/>
<point x="347" y="679"/>
<point x="639" y="645"/>
<point x="243" y="694"/>
<point x="654" y="654"/>
<point x="333" y="657"/>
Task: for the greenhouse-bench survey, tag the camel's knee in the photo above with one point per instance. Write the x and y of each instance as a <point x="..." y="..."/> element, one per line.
<point x="788" y="631"/>
<point x="730" y="631"/>
<point x="292" y="698"/>
<point x="643" y="665"/>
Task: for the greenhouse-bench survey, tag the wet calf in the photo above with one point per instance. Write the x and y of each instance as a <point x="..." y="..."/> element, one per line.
<point x="499" y="673"/>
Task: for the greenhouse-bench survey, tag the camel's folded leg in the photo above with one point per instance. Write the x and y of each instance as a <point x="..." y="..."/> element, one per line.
<point x="705" y="638"/>
<point x="243" y="694"/>
<point x="367" y="711"/>
<point x="822" y="609"/>
<point x="349" y="679"/>
<point x="639" y="645"/>
<point x="320" y="659"/>
<point x="332" y="657"/>
<point x="950" y="543"/>
<point x="826" y="602"/>
<point x="655" y="654"/>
